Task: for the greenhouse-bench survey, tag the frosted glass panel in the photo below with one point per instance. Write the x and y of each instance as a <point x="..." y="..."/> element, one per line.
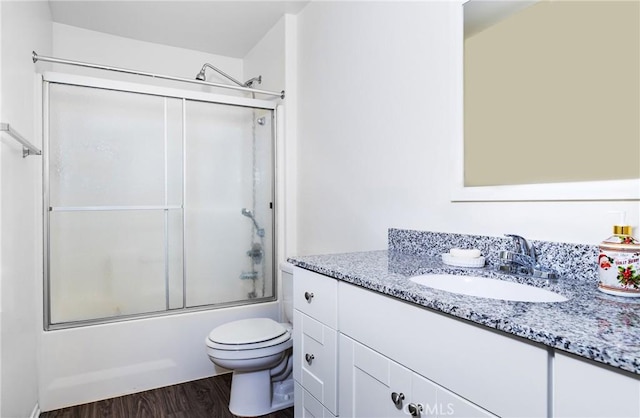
<point x="155" y="204"/>
<point x="174" y="155"/>
<point x="220" y="151"/>
<point x="105" y="264"/>
<point x="106" y="147"/>
<point x="263" y="178"/>
<point x="174" y="259"/>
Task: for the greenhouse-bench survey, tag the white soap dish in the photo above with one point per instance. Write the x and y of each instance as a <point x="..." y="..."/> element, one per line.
<point x="462" y="262"/>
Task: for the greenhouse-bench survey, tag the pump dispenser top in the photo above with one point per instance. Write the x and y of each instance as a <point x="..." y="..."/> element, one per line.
<point x="622" y="228"/>
<point x="619" y="262"/>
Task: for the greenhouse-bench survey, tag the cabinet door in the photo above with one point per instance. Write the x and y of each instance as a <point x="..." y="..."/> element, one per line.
<point x="585" y="389"/>
<point x="368" y="380"/>
<point x="450" y="405"/>
<point x="315" y="359"/>
<point x="306" y="406"/>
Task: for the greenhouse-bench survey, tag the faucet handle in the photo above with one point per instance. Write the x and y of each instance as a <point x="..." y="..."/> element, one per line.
<point x="522" y="246"/>
<point x="545" y="273"/>
<point x="523" y="260"/>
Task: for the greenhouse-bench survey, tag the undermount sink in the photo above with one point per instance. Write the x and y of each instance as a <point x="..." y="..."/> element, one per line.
<point x="485" y="287"/>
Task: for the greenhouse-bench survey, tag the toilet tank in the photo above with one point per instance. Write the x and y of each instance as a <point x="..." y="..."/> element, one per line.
<point x="286" y="270"/>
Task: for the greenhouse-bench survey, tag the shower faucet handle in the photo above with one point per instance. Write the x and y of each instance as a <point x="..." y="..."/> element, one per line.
<point x="308" y="296"/>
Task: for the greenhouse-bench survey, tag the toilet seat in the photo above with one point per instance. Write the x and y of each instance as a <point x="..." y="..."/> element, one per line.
<point x="248" y="334"/>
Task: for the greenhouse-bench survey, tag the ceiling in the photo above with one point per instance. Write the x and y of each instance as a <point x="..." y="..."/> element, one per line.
<point x="229" y="28"/>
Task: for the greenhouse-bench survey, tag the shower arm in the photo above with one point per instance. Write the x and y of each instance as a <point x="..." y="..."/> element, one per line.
<point x="219" y="71"/>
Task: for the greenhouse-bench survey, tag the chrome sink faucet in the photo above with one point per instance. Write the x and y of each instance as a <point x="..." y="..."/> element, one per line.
<point x="523" y="260"/>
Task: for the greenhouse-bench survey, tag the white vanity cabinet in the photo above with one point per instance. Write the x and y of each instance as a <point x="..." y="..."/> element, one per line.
<point x="315" y="344"/>
<point x="583" y="389"/>
<point x="359" y="353"/>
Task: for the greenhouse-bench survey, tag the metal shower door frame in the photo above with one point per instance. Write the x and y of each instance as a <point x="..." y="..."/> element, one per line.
<point x="49" y="78"/>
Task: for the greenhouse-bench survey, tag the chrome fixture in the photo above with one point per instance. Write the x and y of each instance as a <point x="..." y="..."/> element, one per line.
<point x="27" y="147"/>
<point x="249" y="214"/>
<point x="415" y="409"/>
<point x="397" y="399"/>
<point x="249" y="275"/>
<point x="198" y="80"/>
<point x="523" y="260"/>
<point x="255" y="253"/>
<point x="261" y="121"/>
<point x="249" y="83"/>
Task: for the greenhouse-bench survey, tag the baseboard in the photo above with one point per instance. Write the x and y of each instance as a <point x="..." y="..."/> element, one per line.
<point x="36" y="411"/>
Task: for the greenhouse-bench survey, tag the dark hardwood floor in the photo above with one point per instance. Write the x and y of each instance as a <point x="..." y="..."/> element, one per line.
<point x="205" y="398"/>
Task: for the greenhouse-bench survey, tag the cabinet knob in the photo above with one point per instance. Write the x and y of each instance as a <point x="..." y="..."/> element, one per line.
<point x="397" y="399"/>
<point x="309" y="358"/>
<point x="308" y="296"/>
<point x="415" y="409"/>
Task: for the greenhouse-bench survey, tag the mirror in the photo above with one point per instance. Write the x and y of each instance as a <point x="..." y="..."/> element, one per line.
<point x="551" y="101"/>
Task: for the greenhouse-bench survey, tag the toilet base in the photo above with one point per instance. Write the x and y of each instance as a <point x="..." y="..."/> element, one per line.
<point x="249" y="399"/>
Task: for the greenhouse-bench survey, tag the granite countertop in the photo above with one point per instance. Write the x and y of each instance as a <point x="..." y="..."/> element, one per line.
<point x="590" y="324"/>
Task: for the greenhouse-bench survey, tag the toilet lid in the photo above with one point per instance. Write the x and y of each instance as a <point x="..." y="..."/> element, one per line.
<point x="247" y="331"/>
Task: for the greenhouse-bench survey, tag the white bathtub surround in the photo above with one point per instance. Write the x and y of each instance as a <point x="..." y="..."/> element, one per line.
<point x="86" y="364"/>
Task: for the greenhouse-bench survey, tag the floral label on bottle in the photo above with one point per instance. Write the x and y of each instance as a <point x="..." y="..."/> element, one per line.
<point x="619" y="267"/>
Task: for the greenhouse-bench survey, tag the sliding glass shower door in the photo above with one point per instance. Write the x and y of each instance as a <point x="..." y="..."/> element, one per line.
<point x="155" y="203"/>
<point x="225" y="180"/>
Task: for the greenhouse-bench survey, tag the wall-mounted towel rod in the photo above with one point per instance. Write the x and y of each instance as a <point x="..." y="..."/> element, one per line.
<point x="27" y="147"/>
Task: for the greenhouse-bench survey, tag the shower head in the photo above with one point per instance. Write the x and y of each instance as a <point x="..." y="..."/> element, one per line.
<point x="201" y="76"/>
<point x="249" y="214"/>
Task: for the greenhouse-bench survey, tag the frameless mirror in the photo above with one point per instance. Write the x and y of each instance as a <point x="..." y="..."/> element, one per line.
<point x="551" y="101"/>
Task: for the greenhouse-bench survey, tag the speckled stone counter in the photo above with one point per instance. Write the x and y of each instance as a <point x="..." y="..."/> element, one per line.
<point x="590" y="324"/>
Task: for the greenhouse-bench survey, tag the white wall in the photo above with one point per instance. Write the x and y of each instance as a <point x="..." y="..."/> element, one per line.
<point x="266" y="58"/>
<point x="78" y="44"/>
<point x="377" y="117"/>
<point x="26" y="26"/>
<point x="289" y="150"/>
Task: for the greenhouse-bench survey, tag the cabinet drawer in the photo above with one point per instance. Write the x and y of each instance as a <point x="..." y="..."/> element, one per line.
<point x="315" y="359"/>
<point x="306" y="406"/>
<point x="316" y="295"/>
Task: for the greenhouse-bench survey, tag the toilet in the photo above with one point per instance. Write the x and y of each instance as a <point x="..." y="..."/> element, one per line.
<point x="258" y="351"/>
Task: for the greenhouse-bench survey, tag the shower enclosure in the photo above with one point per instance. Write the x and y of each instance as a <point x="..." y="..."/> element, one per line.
<point x="156" y="200"/>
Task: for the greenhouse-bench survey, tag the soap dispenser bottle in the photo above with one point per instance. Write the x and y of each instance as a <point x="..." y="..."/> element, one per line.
<point x="619" y="262"/>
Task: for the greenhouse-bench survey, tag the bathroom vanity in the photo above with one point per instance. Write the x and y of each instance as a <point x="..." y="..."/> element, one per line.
<point x="370" y="342"/>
